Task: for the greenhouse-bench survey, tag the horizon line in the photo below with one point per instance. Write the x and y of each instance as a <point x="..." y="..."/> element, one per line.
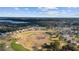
<point x="37" y="17"/>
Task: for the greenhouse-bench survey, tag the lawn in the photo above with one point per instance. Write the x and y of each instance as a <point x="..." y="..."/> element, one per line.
<point x="18" y="47"/>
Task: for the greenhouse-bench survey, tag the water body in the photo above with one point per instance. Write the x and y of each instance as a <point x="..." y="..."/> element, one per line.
<point x="7" y="25"/>
<point x="11" y="21"/>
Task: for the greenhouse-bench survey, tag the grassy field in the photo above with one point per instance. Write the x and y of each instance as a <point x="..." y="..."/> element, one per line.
<point x="18" y="47"/>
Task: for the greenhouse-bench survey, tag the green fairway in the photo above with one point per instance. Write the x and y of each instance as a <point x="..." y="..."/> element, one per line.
<point x="18" y="47"/>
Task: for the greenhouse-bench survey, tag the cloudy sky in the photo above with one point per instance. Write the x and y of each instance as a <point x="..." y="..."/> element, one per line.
<point x="39" y="12"/>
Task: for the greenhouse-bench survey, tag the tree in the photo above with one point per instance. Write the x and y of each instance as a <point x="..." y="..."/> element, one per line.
<point x="52" y="46"/>
<point x="69" y="47"/>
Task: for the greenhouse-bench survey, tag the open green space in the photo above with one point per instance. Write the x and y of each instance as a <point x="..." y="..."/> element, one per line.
<point x="18" y="47"/>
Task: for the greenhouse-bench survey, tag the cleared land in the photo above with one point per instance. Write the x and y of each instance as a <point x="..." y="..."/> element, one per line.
<point x="34" y="39"/>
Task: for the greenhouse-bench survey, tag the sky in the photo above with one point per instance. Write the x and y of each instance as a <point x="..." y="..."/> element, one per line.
<point x="39" y="11"/>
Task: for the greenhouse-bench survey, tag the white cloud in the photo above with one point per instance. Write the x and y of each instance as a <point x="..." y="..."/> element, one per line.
<point x="26" y="9"/>
<point x="42" y="9"/>
<point x="52" y="12"/>
<point x="16" y="8"/>
<point x="49" y="13"/>
<point x="51" y="7"/>
<point x="46" y="8"/>
<point x="69" y="10"/>
<point x="64" y="12"/>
